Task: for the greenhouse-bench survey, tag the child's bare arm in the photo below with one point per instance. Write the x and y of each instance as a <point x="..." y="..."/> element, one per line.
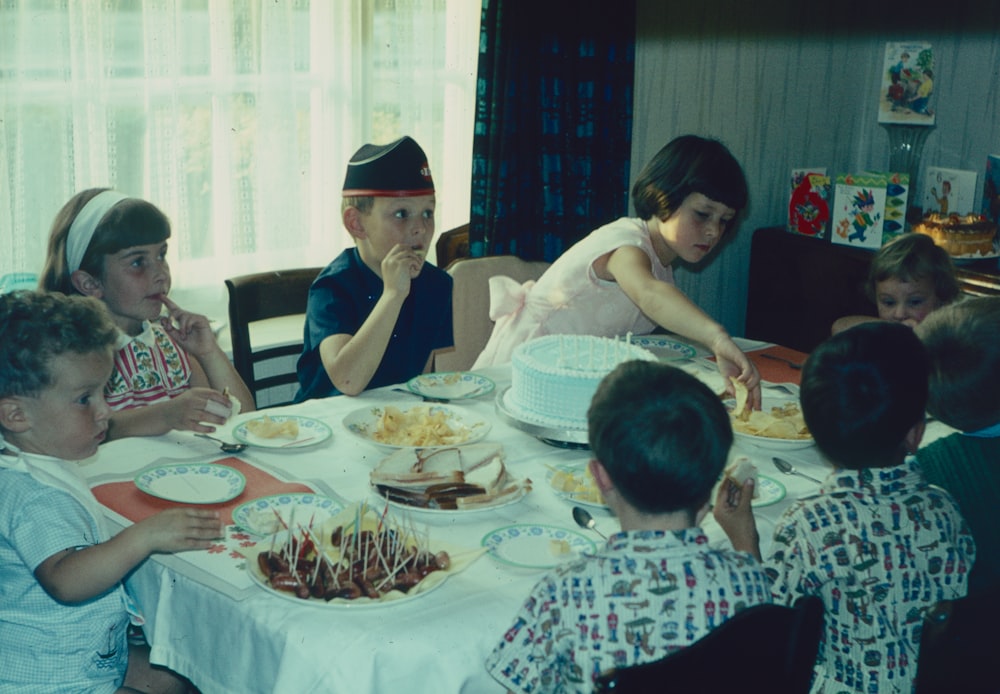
<point x="670" y="308"/>
<point x="188" y="411"/>
<point x="350" y="361"/>
<point x="210" y="365"/>
<point x="76" y="575"/>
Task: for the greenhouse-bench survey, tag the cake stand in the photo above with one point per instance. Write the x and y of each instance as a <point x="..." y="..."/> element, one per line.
<point x="554" y="436"/>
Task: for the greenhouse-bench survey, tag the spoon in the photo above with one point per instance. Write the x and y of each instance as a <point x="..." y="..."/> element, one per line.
<point x="225" y="446"/>
<point x="789" y="469"/>
<point x="586" y="521"/>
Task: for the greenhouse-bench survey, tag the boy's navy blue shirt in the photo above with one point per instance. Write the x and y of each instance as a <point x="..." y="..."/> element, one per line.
<point x="342" y="297"/>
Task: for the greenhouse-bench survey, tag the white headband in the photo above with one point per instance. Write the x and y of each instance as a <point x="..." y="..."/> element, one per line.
<point x="82" y="229"/>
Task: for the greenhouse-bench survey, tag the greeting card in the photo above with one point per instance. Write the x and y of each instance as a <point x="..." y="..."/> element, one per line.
<point x="907" y="84"/>
<point x="808" y="206"/>
<point x="949" y="191"/>
<point x="859" y="210"/>
<point x="991" y="188"/>
<point x="897" y="191"/>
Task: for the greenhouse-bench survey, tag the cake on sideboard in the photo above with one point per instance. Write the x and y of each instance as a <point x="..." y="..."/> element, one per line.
<point x="960" y="235"/>
<point x="799" y="285"/>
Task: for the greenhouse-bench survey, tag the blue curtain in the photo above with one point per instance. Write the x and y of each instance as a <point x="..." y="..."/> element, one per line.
<point x="553" y="127"/>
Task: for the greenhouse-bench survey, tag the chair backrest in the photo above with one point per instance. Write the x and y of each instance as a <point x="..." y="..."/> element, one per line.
<point x="471" y="304"/>
<point x="765" y="648"/>
<point x="265" y="296"/>
<point x="452" y="245"/>
<point x="958" y="644"/>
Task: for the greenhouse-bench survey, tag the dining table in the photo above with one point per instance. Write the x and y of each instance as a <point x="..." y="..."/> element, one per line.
<point x="209" y="620"/>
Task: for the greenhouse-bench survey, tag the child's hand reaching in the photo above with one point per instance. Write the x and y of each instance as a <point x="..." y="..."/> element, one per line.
<point x="74" y="575"/>
<point x="179" y="529"/>
<point x="192" y="331"/>
<point x="734" y="364"/>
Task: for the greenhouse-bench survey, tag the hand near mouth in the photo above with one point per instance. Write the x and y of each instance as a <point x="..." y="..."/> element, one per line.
<point x="192" y="331"/>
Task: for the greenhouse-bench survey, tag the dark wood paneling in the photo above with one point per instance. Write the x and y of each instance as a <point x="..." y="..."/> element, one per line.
<point x="799" y="285"/>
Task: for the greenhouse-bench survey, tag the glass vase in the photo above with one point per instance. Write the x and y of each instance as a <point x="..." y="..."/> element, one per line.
<point x="906" y="144"/>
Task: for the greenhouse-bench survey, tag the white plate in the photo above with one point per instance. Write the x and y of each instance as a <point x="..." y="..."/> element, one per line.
<point x="431" y="582"/>
<point x="769" y="491"/>
<point x="258" y="515"/>
<point x="451" y="385"/>
<point x="577" y="471"/>
<point x="364" y="423"/>
<point x="311" y="432"/>
<point x="769" y="441"/>
<point x="536" y="546"/>
<point x="338" y="603"/>
<point x="192" y="484"/>
<point x="967" y="259"/>
<point x="664" y="348"/>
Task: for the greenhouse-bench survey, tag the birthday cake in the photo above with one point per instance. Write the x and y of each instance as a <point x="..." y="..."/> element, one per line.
<point x="960" y="235"/>
<point x="553" y="378"/>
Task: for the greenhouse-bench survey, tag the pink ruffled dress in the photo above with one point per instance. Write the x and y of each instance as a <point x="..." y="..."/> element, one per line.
<point x="569" y="298"/>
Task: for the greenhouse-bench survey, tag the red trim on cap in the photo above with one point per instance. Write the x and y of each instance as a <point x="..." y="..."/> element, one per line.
<point x="364" y="193"/>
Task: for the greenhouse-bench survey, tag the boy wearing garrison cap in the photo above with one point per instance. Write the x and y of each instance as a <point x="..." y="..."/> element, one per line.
<point x="377" y="312"/>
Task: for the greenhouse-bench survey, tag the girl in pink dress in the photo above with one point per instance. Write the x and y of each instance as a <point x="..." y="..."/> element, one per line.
<point x="619" y="278"/>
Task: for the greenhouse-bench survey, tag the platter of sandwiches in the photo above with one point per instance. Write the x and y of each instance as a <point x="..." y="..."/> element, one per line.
<point x="472" y="477"/>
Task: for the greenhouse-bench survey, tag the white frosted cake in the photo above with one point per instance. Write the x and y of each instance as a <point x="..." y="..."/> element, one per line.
<point x="553" y="378"/>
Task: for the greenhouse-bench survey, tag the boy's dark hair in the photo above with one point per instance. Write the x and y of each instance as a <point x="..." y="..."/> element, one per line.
<point x="862" y="391"/>
<point x="963" y="343"/>
<point x="131" y="222"/>
<point x="662" y="435"/>
<point x="689" y="164"/>
<point x="910" y="258"/>
<point x="35" y="327"/>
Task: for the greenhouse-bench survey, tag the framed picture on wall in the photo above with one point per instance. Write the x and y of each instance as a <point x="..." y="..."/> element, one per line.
<point x="907" y="91"/>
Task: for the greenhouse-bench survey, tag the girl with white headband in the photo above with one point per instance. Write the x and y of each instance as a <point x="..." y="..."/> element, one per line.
<point x="170" y="372"/>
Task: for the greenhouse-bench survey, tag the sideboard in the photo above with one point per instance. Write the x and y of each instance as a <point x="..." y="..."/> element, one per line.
<point x="799" y="285"/>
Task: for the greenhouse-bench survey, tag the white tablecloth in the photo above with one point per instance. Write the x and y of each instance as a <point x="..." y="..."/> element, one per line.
<point x="242" y="639"/>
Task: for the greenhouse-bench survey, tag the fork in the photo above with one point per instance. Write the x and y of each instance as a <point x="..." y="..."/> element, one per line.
<point x="418" y="395"/>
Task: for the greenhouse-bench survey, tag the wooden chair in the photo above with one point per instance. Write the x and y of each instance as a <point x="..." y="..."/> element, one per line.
<point x="452" y="245"/>
<point x="263" y="296"/>
<point x="765" y="648"/>
<point x="958" y="644"/>
<point x="471" y="304"/>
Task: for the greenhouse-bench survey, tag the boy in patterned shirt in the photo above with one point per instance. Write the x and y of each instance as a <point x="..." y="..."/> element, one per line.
<point x="878" y="544"/>
<point x="659" y="439"/>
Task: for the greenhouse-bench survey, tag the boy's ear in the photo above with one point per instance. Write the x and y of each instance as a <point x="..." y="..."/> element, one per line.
<point x="86" y="284"/>
<point x="600" y="475"/>
<point x="914" y="436"/>
<point x="13" y="417"/>
<point x="354" y="223"/>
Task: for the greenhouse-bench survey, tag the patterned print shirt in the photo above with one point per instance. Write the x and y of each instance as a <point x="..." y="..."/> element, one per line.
<point x="879" y="546"/>
<point x="148" y="368"/>
<point x="644" y="595"/>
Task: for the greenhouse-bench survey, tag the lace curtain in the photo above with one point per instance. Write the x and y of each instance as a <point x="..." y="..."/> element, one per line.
<point x="236" y="117"/>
